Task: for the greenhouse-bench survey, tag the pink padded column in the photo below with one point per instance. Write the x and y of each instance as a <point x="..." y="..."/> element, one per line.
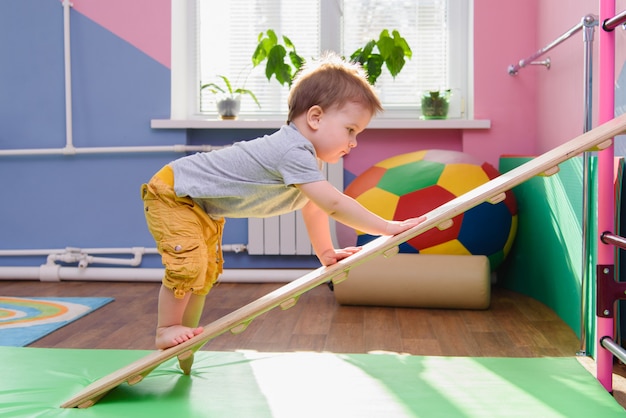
<point x="606" y="199"/>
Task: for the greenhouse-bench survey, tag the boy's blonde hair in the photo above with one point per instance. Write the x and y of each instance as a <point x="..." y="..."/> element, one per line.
<point x="331" y="81"/>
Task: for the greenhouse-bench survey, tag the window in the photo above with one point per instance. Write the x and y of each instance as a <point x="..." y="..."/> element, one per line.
<point x="224" y="37"/>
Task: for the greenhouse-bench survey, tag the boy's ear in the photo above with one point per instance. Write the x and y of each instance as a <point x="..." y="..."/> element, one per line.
<point x="313" y="116"/>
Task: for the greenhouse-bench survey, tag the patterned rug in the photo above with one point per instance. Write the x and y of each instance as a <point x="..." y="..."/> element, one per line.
<point x="24" y="320"/>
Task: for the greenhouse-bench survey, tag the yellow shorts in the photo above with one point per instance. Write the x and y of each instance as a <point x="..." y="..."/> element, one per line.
<point x="188" y="239"/>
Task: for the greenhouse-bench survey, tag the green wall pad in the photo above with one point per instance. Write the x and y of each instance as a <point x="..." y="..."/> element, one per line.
<point x="35" y="381"/>
<point x="546" y="260"/>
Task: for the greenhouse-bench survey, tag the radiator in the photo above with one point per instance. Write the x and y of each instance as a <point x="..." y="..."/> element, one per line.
<point x="286" y="234"/>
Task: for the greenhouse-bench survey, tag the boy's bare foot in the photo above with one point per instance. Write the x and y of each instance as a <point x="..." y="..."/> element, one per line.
<point x="167" y="337"/>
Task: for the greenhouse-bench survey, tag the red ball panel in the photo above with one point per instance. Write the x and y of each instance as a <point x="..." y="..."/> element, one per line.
<point x="420" y="202"/>
<point x="365" y="181"/>
<point x="509" y="200"/>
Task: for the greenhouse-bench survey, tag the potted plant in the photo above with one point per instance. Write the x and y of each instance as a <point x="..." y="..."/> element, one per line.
<point x="283" y="62"/>
<point x="228" y="98"/>
<point x="435" y="104"/>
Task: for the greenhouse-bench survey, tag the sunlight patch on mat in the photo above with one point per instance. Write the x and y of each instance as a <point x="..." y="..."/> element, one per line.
<point x="24" y="320"/>
<point x="515" y="390"/>
<point x="347" y="392"/>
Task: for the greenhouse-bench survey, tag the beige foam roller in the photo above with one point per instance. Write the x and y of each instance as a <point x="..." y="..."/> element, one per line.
<point x="419" y="281"/>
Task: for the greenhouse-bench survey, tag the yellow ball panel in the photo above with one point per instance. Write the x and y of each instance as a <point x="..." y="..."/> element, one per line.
<point x="452" y="247"/>
<point x="401" y="159"/>
<point x="509" y="241"/>
<point x="461" y="178"/>
<point x="379" y="201"/>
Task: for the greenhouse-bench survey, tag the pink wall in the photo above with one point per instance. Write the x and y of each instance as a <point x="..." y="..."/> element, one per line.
<point x="560" y="109"/>
<point x="376" y="145"/>
<point x="503" y="34"/>
<point x="146" y="24"/>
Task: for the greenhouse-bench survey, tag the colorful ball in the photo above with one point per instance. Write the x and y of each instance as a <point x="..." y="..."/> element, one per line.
<point x="409" y="185"/>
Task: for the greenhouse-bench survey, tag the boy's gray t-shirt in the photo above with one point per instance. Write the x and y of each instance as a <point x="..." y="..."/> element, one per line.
<point x="253" y="178"/>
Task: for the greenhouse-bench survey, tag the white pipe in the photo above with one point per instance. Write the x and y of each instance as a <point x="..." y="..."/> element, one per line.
<point x="57" y="273"/>
<point x="68" y="75"/>
<point x="84" y="258"/>
<point x="53" y="272"/>
<point x="180" y="70"/>
<point x="130" y="250"/>
<point x="71" y="150"/>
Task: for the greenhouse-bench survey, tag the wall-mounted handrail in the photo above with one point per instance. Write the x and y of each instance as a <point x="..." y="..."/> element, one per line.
<point x="588" y="20"/>
<point x="610" y="24"/>
<point x="612" y="239"/>
<point x="614" y="348"/>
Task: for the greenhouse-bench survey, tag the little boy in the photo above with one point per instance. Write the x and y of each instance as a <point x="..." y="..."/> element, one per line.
<point x="185" y="203"/>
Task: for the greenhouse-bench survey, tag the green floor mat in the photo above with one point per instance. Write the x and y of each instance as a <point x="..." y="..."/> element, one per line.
<point x="35" y="381"/>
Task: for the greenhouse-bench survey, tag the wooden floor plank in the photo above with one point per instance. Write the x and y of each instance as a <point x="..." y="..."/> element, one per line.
<point x="381" y="329"/>
<point x="421" y="347"/>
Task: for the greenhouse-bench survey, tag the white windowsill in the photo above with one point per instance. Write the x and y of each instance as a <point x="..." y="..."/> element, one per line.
<point x="377" y="123"/>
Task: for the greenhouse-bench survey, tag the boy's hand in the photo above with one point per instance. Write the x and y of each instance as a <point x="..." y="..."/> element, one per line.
<point x="396" y="227"/>
<point x="330" y="257"/>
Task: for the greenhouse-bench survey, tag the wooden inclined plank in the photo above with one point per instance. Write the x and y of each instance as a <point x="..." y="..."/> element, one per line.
<point x="598" y="138"/>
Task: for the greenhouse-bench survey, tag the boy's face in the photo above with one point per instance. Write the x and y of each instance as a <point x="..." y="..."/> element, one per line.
<point x="337" y="129"/>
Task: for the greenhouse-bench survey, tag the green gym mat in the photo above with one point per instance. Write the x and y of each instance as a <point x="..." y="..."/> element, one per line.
<point x="35" y="381"/>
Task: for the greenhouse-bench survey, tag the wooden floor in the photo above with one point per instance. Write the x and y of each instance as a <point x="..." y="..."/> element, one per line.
<point x="514" y="325"/>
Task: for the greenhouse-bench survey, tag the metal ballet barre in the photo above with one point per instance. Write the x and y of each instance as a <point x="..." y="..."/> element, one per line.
<point x="586" y="21"/>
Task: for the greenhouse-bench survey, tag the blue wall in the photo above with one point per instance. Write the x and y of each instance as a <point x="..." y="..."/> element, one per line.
<point x="85" y="201"/>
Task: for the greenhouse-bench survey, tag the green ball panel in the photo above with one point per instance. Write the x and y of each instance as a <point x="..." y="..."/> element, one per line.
<point x="496" y="259"/>
<point x="410" y="177"/>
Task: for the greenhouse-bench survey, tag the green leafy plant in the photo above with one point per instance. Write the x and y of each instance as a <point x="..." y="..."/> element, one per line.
<point x="283" y="61"/>
<point x="227" y="90"/>
<point x="391" y="51"/>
